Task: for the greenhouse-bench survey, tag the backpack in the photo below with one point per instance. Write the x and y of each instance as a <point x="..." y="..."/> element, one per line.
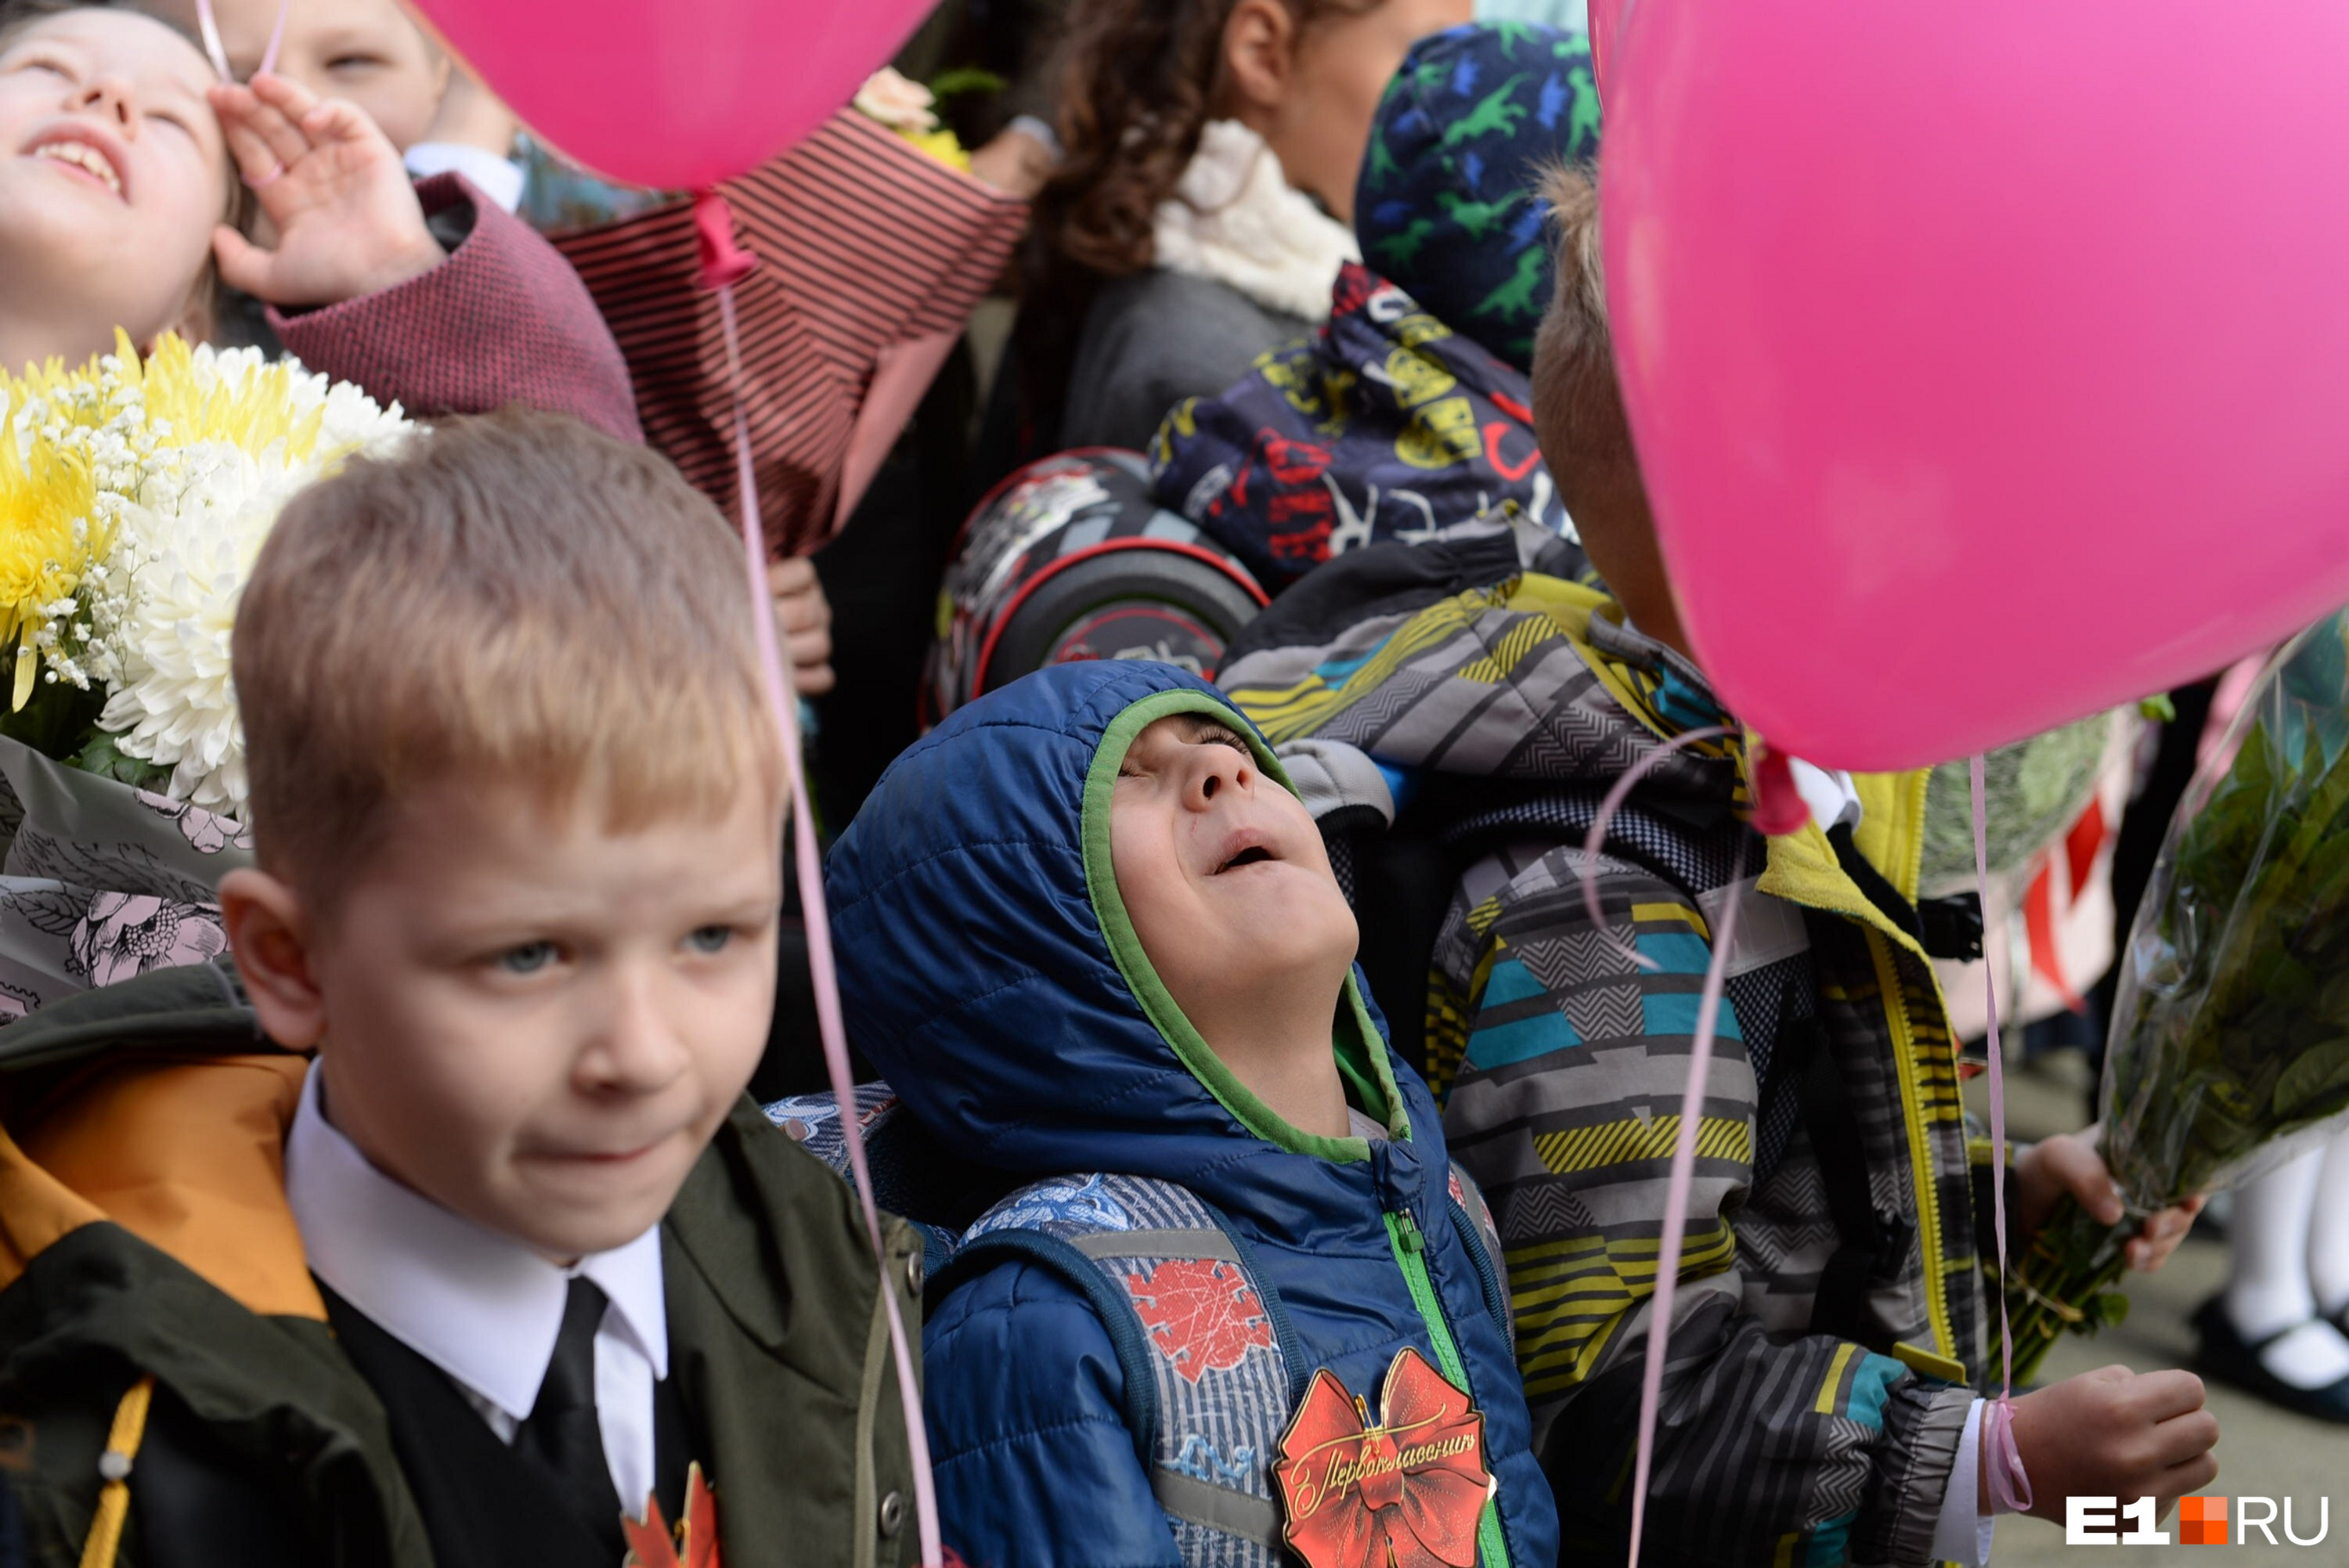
<point x="1177" y="1288"/>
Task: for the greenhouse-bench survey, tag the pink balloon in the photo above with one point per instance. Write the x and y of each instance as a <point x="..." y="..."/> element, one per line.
<point x="677" y="94"/>
<point x="1988" y="364"/>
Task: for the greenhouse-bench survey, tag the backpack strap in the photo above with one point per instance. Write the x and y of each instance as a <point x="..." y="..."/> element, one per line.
<point x="1871" y="1243"/>
<point x="1484" y="1239"/>
<point x="1203" y="1343"/>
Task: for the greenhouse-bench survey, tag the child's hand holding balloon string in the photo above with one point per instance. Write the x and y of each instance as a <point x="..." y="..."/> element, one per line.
<point x="346" y="219"/>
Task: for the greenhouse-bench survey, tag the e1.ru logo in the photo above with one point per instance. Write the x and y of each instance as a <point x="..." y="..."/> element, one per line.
<point x="2201" y="1521"/>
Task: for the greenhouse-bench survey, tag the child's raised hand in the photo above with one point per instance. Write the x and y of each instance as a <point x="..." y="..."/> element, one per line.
<point x="2113" y="1433"/>
<point x="2069" y="1166"/>
<point x="333" y="188"/>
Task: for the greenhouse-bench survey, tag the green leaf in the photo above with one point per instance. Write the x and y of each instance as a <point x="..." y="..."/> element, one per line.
<point x="102" y="757"/>
<point x="2314" y="1085"/>
<point x="963" y="79"/>
<point x="57" y="720"/>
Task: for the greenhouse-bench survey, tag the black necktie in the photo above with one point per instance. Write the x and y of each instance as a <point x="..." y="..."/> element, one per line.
<point x="563" y="1436"/>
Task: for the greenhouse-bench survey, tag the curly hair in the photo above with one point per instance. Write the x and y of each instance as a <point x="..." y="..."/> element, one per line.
<point x="1137" y="80"/>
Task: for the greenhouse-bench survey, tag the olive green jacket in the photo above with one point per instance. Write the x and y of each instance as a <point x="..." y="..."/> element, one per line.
<point x="144" y="1233"/>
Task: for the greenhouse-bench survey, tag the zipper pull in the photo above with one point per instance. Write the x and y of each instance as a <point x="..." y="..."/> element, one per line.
<point x="1413" y="1242"/>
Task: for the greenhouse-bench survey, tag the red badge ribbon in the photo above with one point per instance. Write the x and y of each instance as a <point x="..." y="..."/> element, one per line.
<point x="1407" y="1492"/>
<point x="694" y="1542"/>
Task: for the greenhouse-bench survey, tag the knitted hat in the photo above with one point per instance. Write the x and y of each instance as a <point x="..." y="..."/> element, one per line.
<point x="1446" y="208"/>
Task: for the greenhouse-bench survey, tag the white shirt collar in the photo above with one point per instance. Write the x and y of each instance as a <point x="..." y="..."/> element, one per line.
<point x="501" y="180"/>
<point x="482" y="1308"/>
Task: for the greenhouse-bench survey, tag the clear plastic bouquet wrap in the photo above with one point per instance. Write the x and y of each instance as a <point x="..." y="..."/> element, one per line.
<point x="2230" y="1043"/>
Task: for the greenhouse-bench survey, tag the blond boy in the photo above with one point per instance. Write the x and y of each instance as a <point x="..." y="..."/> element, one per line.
<point x="512" y="1252"/>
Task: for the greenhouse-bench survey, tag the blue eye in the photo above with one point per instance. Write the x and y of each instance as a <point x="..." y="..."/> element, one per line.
<point x="527" y="959"/>
<point x="711" y="939"/>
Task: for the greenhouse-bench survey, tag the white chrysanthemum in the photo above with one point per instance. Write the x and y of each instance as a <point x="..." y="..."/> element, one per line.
<point x="172" y="703"/>
<point x="210" y="462"/>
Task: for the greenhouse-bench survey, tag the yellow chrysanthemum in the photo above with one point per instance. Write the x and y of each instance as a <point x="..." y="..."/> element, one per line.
<point x="47" y="533"/>
<point x="942" y="145"/>
<point x="187" y="405"/>
<point x="134" y="495"/>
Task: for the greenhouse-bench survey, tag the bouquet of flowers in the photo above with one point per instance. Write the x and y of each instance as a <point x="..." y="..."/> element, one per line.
<point x="911" y="109"/>
<point x="2230" y="1045"/>
<point x="134" y="495"/>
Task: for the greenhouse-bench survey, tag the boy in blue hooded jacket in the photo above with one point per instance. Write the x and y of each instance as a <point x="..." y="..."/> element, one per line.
<point x="1091" y="937"/>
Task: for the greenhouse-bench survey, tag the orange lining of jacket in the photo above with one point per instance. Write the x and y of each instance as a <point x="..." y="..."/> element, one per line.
<point x="187" y="1155"/>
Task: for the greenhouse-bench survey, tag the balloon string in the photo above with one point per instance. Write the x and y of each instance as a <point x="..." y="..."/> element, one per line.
<point x="785" y="703"/>
<point x="209" y="24"/>
<point x="1778" y="810"/>
<point x="214" y="50"/>
<point x="1588" y="867"/>
<point x="2010" y="1486"/>
<point x="1676" y="1197"/>
<point x="276" y="39"/>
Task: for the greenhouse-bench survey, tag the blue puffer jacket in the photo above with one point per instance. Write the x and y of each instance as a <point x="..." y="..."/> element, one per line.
<point x="970" y="899"/>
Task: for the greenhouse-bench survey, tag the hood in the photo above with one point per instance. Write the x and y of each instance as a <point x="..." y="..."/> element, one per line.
<point x="1464" y="657"/>
<point x="1387" y="424"/>
<point x="1506" y="703"/>
<point x="1446" y="204"/>
<point x="991" y="973"/>
<point x="156" y="1104"/>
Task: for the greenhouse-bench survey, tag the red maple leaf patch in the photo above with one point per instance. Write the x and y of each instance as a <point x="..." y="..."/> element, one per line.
<point x="1201" y="1315"/>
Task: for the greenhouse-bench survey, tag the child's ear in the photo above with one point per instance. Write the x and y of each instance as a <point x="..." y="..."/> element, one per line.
<point x="1259" y="45"/>
<point x="269" y="932"/>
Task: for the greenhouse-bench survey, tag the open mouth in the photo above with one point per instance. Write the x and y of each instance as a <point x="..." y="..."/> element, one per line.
<point x="83" y="158"/>
<point x="1248" y="857"/>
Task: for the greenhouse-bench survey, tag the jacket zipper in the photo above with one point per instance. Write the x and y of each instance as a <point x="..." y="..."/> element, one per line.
<point x="1403" y="1235"/>
<point x="1920" y="1147"/>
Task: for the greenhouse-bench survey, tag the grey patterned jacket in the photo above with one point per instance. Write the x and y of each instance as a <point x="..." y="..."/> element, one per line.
<point x="1830" y="1316"/>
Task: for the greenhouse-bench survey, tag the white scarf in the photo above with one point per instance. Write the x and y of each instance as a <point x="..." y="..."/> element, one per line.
<point x="1235" y="218"/>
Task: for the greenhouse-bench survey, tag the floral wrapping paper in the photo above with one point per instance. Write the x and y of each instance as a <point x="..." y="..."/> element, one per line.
<point x="100" y="881"/>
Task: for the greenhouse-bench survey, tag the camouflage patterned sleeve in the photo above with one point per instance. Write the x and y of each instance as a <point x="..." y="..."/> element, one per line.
<point x="1566" y="1062"/>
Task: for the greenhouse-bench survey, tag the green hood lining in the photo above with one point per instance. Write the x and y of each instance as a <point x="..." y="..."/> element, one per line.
<point x="1361" y="1049"/>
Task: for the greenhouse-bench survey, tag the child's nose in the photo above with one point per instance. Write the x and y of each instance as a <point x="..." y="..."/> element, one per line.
<point x="636" y="1051"/>
<point x="1225" y="769"/>
<point x="110" y="98"/>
